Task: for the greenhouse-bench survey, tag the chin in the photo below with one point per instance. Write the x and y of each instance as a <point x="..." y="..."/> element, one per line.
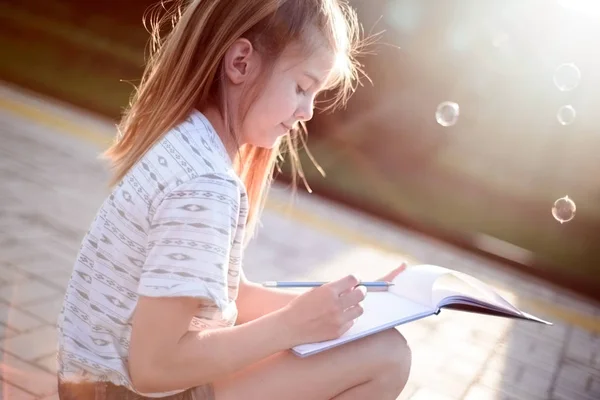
<point x="268" y="143"/>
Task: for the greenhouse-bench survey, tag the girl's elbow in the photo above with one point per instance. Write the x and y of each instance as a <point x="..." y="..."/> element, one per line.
<point x="145" y="375"/>
<point x="139" y="377"/>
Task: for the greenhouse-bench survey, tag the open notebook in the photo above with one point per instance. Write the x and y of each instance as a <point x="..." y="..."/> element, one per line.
<point x="419" y="292"/>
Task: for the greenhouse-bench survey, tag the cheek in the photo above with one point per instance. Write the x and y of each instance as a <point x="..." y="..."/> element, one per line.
<point x="282" y="99"/>
<point x="287" y="104"/>
<point x="290" y="100"/>
<point x="275" y="108"/>
<point x="275" y="105"/>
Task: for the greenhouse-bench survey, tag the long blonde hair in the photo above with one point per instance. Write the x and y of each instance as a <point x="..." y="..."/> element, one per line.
<point x="184" y="70"/>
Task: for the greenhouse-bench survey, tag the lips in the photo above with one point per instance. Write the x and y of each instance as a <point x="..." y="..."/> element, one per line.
<point x="287" y="127"/>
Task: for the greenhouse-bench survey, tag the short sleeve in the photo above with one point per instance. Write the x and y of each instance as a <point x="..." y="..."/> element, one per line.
<point x="189" y="241"/>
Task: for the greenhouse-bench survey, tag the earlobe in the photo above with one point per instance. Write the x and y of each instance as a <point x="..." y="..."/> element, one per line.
<point x="237" y="61"/>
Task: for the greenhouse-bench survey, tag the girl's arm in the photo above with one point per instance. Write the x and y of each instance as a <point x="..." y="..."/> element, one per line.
<point x="254" y="300"/>
<point x="165" y="356"/>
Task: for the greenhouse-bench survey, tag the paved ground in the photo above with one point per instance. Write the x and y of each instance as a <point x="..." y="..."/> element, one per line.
<point x="52" y="184"/>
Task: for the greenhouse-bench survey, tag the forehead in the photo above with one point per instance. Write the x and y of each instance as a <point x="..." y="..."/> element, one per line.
<point x="317" y="61"/>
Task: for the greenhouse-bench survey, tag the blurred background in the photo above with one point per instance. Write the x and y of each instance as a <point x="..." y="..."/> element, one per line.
<point x="519" y="129"/>
<point x="474" y="147"/>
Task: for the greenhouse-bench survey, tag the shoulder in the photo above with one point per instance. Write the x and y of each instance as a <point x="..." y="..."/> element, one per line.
<point x="196" y="147"/>
<point x="191" y="154"/>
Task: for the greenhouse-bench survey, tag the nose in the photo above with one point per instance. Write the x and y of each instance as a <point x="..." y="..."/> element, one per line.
<point x="305" y="111"/>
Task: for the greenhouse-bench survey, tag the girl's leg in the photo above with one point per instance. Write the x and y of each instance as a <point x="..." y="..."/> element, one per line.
<point x="375" y="367"/>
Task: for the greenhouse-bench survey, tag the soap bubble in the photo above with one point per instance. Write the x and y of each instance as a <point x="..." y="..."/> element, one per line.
<point x="447" y="113"/>
<point x="567" y="77"/>
<point x="566" y="115"/>
<point x="564" y="209"/>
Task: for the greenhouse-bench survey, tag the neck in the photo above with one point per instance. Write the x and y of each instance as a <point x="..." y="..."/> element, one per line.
<point x="218" y="123"/>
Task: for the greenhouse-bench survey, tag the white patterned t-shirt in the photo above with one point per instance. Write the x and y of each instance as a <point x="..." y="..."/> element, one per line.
<point x="174" y="226"/>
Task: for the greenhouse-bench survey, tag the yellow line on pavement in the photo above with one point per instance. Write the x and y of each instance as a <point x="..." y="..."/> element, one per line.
<point x="565" y="314"/>
<point x="62" y="125"/>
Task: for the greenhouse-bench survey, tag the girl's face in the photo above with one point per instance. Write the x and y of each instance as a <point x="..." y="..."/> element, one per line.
<point x="288" y="94"/>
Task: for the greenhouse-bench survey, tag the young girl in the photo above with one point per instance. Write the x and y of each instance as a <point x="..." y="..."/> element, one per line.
<point x="158" y="305"/>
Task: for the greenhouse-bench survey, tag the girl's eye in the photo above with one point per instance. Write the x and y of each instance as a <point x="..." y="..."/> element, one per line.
<point x="299" y="90"/>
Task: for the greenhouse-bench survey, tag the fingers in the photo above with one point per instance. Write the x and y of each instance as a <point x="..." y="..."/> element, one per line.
<point x="344" y="284"/>
<point x="353" y="312"/>
<point x="350" y="316"/>
<point x="344" y="328"/>
<point x="352" y="297"/>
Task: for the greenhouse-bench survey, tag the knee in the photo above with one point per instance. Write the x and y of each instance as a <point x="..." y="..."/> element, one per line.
<point x="398" y="352"/>
<point x="396" y="360"/>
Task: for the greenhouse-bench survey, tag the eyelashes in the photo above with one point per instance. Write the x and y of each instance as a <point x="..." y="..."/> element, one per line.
<point x="299" y="90"/>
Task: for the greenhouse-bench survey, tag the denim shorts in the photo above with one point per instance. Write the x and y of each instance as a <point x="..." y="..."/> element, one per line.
<point x="110" y="391"/>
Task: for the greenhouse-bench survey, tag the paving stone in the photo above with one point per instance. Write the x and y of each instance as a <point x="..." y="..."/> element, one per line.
<point x="27" y="376"/>
<point x="481" y="392"/>
<point x="578" y="381"/>
<point x="10" y="392"/>
<point x="582" y="347"/>
<point x="51" y="397"/>
<point x="46" y="310"/>
<point x="415" y="333"/>
<point x="26" y="292"/>
<point x="64" y="250"/>
<point x="16" y="319"/>
<point x="45" y="265"/>
<point x="472" y="331"/>
<point x="9" y="273"/>
<point x="32" y="345"/>
<point x="516" y="378"/>
<point x="567" y="393"/>
<point x="427" y="356"/>
<point x="557" y="332"/>
<point x="438" y="374"/>
<point x="48" y="363"/>
<point x="570" y="301"/>
<point x="31" y="235"/>
<point x="408" y="390"/>
<point x="14" y="250"/>
<point x="464" y="367"/>
<point x="6" y="332"/>
<point x="59" y="278"/>
<point x="531" y="350"/>
<point x="430" y="394"/>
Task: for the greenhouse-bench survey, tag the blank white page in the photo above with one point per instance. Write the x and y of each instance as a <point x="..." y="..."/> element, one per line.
<point x="382" y="310"/>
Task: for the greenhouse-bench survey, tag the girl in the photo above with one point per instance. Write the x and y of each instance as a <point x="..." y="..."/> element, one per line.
<point x="158" y="305"/>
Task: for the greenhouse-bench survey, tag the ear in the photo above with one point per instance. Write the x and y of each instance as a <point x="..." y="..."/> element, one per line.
<point x="240" y="59"/>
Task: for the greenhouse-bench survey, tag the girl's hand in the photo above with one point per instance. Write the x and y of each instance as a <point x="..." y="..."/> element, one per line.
<point x="323" y="313"/>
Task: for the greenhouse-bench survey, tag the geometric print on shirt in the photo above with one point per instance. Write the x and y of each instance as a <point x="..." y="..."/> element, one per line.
<point x="174" y="226"/>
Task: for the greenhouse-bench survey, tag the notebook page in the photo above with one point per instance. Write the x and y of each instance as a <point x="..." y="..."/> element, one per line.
<point x="458" y="284"/>
<point x="417" y="282"/>
<point x="380" y="309"/>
